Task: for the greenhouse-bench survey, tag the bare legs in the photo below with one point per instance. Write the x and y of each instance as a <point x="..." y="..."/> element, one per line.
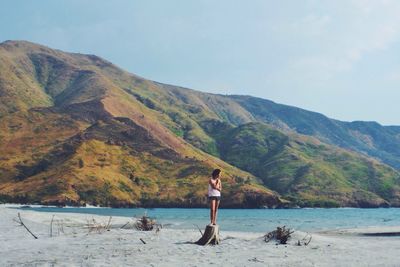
<point x="214" y="204"/>
<point x="216" y="211"/>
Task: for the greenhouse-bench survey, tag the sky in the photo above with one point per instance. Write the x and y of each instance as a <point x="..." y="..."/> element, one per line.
<point x="340" y="58"/>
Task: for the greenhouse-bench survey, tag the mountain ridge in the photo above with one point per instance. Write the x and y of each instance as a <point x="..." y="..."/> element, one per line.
<point x="93" y="158"/>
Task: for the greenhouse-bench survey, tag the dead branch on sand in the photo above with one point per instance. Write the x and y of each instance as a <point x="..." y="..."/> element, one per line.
<point x="198" y="228"/>
<point x="123" y="226"/>
<point x="109" y="224"/>
<point x="94" y="226"/>
<point x="281" y="234"/>
<point x="59" y="229"/>
<point x="51" y="226"/>
<point x="305" y="241"/>
<point x="145" y="224"/>
<point x="21" y="223"/>
<point x="60" y="225"/>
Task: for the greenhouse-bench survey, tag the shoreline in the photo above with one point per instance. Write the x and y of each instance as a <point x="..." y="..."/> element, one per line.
<point x="205" y="207"/>
<point x="75" y="246"/>
<point x="242" y="220"/>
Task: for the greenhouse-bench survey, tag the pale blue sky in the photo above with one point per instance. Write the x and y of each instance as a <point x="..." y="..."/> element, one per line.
<point x="340" y="58"/>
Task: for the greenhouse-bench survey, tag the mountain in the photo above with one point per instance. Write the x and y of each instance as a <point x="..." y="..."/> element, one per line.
<point x="77" y="129"/>
<point x="307" y="171"/>
<point x="73" y="133"/>
<point x="370" y="138"/>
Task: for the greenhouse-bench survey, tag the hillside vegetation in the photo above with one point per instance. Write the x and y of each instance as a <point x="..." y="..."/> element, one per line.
<point x="306" y="171"/>
<point x="77" y="135"/>
<point x="76" y="129"/>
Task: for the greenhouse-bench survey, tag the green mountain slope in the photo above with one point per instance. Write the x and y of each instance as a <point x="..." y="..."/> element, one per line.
<point x="307" y="171"/>
<point x="371" y="138"/>
<point x="75" y="135"/>
<point x="78" y="129"/>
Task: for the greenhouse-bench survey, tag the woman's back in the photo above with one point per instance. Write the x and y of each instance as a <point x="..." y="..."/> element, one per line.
<point x="212" y="192"/>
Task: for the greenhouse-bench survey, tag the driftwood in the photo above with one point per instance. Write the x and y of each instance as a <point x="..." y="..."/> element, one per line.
<point x="199" y="229"/>
<point x="130" y="224"/>
<point x="281" y="234"/>
<point x="60" y="224"/>
<point x="98" y="227"/>
<point x="108" y="226"/>
<point x="210" y="236"/>
<point x="305" y="241"/>
<point x="21" y="223"/>
<point x="51" y="226"/>
<point x="145" y="224"/>
<point x="123" y="226"/>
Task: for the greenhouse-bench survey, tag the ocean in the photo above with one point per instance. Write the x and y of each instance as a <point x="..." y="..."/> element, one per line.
<point x="253" y="220"/>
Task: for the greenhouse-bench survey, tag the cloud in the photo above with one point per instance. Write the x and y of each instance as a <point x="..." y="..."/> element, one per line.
<point x="345" y="38"/>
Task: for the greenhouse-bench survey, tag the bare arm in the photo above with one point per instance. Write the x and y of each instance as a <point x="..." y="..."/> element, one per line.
<point x="216" y="184"/>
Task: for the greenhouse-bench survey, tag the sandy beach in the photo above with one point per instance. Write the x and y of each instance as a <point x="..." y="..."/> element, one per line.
<point x="71" y="244"/>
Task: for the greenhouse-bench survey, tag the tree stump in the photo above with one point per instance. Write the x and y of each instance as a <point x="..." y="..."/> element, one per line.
<point x="210" y="236"/>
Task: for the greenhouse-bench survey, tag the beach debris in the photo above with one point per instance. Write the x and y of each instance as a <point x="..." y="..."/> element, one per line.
<point x="305" y="240"/>
<point x="142" y="241"/>
<point x="21" y="223"/>
<point x="59" y="229"/>
<point x="210" y="236"/>
<point x="129" y="224"/>
<point x="51" y="226"/>
<point x="281" y="234"/>
<point x="145" y="224"/>
<point x="201" y="233"/>
<point x="255" y="260"/>
<point x="125" y="225"/>
<point x="230" y="237"/>
<point x="108" y="226"/>
<point x="94" y="226"/>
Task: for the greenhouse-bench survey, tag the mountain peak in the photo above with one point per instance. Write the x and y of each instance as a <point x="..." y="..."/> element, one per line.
<point x="22" y="44"/>
<point x="86" y="131"/>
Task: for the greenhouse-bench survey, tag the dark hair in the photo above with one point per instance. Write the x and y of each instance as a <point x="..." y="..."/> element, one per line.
<point x="215" y="173"/>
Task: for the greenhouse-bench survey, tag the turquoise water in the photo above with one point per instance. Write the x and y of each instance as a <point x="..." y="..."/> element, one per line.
<point x="255" y="220"/>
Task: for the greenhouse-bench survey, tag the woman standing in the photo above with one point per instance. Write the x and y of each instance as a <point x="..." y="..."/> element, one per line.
<point x="214" y="194"/>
